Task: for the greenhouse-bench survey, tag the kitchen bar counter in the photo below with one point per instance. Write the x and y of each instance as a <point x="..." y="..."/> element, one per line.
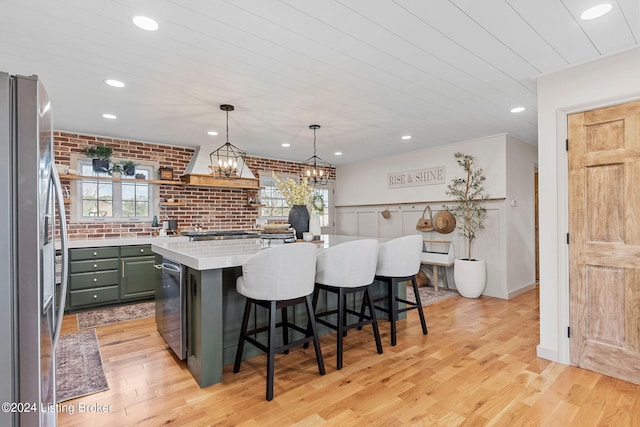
<point x="214" y="308"/>
<point x="210" y="254"/>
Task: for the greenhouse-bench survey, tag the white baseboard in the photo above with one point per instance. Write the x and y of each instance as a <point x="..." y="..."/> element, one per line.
<point x="520" y="291"/>
<point x="547" y="353"/>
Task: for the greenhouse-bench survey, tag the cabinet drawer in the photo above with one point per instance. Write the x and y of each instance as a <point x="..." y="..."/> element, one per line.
<point x="93" y="265"/>
<point x="137" y="250"/>
<point x="93" y="253"/>
<point x="93" y="280"/>
<point x="93" y="296"/>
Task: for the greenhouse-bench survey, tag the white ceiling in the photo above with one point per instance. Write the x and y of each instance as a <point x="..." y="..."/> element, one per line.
<point x="367" y="71"/>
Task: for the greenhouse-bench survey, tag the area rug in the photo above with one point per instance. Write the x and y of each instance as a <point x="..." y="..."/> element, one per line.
<point x="79" y="366"/>
<point x="428" y="295"/>
<point x="109" y="315"/>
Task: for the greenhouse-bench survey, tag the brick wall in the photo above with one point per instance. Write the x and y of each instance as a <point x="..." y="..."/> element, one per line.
<point x="215" y="209"/>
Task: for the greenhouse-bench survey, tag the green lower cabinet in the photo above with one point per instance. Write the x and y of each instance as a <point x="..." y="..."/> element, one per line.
<point x="94" y="297"/>
<point x="138" y="277"/>
<point x="110" y="275"/>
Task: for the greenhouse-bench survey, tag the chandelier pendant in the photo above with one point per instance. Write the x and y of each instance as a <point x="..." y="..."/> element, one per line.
<point x="314" y="168"/>
<point x="225" y="160"/>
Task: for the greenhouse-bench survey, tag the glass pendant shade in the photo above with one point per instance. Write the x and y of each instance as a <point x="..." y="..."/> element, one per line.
<point x="226" y="159"/>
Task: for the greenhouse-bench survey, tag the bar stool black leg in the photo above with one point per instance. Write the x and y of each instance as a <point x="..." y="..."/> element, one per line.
<point x="392" y="291"/>
<point x="344" y="320"/>
<point x="314" y="331"/>
<point x="313" y="307"/>
<point x="271" y="349"/>
<point x="341" y="328"/>
<point x="372" y="310"/>
<point x="243" y="332"/>
<point x="362" y="308"/>
<point x="419" y="304"/>
<point x="285" y="328"/>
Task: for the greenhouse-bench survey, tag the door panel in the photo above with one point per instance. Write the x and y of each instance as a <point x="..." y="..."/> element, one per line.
<point x="137" y="277"/>
<point x="604" y="261"/>
<point x="601" y="300"/>
<point x="605" y="199"/>
<point x="607" y="136"/>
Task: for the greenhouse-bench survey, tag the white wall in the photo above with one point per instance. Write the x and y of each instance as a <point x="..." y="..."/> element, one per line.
<point x="522" y="159"/>
<point x="362" y="194"/>
<point x="608" y="81"/>
<point x="366" y="182"/>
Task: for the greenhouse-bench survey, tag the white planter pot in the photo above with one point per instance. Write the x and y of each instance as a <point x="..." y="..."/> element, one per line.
<point x="314" y="225"/>
<point x="470" y="277"/>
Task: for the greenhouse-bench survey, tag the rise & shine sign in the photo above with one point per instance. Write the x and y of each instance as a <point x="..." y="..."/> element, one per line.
<point x="416" y="178"/>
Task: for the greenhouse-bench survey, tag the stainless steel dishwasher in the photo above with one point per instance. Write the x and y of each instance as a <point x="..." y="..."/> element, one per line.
<point x="172" y="320"/>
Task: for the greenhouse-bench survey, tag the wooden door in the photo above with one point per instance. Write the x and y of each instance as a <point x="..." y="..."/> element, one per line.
<point x="604" y="251"/>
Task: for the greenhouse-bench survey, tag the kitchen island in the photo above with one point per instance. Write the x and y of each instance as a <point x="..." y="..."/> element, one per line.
<point x="214" y="308"/>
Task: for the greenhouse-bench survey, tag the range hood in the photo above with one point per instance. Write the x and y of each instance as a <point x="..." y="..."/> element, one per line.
<point x="200" y="162"/>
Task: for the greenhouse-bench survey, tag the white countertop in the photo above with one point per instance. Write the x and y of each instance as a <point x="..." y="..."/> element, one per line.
<point x="121" y="241"/>
<point x="211" y="254"/>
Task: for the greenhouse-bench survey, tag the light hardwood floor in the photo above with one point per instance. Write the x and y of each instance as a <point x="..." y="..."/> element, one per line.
<point x="477" y="367"/>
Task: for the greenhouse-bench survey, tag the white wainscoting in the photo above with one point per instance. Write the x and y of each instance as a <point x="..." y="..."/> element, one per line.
<point x="490" y="245"/>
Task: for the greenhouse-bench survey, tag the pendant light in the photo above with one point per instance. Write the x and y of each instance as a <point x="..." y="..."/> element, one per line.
<point x="314" y="168"/>
<point x="225" y="159"/>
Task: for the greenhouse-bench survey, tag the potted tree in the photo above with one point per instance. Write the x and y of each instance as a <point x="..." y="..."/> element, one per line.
<point x="100" y="155"/>
<point x="468" y="192"/>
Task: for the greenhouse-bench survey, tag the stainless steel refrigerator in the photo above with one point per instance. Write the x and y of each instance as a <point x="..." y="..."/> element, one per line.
<point x="31" y="220"/>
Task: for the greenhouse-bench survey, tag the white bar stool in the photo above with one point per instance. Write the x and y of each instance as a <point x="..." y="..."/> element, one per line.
<point x="344" y="269"/>
<point x="276" y="278"/>
<point x="399" y="261"/>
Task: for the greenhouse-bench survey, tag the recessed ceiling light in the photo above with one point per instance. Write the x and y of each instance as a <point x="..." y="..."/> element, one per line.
<point x="109" y="116"/>
<point x="518" y="109"/>
<point x="338" y="153"/>
<point x="114" y="83"/>
<point x="405" y="137"/>
<point x="596" y="11"/>
<point x="145" y="23"/>
<point x="212" y="133"/>
<point x="286" y="144"/>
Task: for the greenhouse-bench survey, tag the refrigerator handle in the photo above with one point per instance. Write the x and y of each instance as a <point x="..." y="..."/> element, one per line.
<point x="64" y="249"/>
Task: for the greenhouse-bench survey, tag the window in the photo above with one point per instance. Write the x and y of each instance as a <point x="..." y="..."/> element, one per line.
<point x="275" y="206"/>
<point x="274" y="203"/>
<point x="116" y="201"/>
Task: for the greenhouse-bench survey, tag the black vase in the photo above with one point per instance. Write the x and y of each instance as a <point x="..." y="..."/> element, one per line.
<point x="299" y="219"/>
<point x="129" y="170"/>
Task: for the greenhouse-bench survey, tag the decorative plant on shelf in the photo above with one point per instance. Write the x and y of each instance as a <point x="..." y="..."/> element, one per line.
<point x="100" y="155"/>
<point x="297" y="196"/>
<point x="115" y="170"/>
<point x="128" y="167"/>
<point x="469" y="194"/>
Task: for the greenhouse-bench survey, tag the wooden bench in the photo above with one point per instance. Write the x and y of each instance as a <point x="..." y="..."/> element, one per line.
<point x="438" y="254"/>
